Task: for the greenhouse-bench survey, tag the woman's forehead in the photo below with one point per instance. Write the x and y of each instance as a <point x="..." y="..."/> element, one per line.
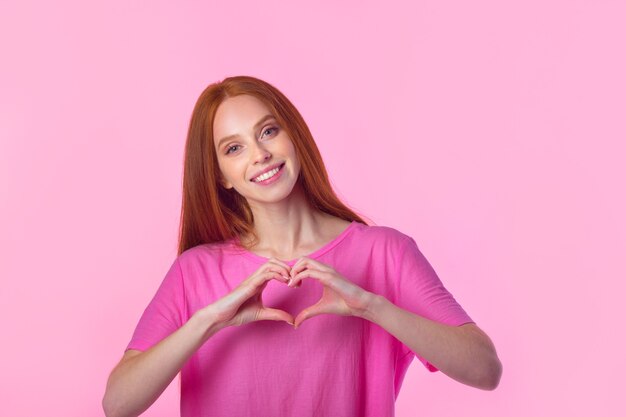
<point x="239" y="115"/>
<point x="242" y="107"/>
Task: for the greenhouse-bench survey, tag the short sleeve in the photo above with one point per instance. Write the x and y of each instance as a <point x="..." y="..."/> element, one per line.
<point x="422" y="292"/>
<point x="164" y="314"/>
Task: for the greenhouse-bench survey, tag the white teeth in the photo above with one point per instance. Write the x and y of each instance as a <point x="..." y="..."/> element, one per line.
<point x="267" y="175"/>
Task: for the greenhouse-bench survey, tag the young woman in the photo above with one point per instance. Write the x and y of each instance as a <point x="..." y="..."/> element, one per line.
<point x="282" y="301"/>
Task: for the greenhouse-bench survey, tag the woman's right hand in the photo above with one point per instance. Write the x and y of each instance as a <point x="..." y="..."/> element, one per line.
<point x="244" y="304"/>
<point x="141" y="377"/>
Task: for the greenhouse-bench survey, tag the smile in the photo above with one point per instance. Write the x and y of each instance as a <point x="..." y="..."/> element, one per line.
<point x="268" y="175"/>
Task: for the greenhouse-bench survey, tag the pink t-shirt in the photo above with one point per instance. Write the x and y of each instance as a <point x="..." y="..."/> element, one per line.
<point x="332" y="365"/>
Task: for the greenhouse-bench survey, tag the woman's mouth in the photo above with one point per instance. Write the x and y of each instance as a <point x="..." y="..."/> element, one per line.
<point x="269" y="177"/>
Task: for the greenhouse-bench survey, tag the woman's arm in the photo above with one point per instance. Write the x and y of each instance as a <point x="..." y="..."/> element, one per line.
<point x="140" y="377"/>
<point x="464" y="353"/>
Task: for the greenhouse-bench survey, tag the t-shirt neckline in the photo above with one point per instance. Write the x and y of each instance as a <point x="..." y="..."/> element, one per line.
<point x="313" y="255"/>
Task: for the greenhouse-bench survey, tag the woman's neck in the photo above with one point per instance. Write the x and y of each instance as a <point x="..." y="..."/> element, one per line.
<point x="291" y="227"/>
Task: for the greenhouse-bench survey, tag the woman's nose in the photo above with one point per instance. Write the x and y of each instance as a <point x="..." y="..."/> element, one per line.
<point x="261" y="154"/>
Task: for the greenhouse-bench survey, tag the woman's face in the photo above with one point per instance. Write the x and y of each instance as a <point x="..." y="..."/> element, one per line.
<point x="249" y="141"/>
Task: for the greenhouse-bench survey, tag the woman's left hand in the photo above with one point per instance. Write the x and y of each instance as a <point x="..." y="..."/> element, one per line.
<point x="340" y="296"/>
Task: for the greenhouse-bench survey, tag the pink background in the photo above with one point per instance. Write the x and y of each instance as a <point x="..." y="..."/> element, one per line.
<point x="492" y="132"/>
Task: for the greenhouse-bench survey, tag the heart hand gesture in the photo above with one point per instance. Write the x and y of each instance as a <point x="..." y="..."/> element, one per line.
<point x="245" y="304"/>
<point x="340" y="296"/>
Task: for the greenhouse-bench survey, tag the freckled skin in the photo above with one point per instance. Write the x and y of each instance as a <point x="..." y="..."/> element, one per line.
<point x="241" y="158"/>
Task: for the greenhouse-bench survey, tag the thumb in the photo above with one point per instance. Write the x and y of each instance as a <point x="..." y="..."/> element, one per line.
<point x="275" y="314"/>
<point x="307" y="313"/>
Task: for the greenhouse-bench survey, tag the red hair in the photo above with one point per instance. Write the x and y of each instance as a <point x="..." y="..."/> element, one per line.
<point x="211" y="213"/>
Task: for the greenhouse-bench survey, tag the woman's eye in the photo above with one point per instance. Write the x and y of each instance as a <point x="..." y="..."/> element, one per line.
<point x="270" y="129"/>
<point x="229" y="149"/>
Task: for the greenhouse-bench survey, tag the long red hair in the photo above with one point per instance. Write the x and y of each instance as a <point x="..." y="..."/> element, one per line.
<point x="211" y="213"/>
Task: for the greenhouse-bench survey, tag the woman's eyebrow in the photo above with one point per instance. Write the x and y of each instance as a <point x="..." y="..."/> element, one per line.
<point x="256" y="126"/>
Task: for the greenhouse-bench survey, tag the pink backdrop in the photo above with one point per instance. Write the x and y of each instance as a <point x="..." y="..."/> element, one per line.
<point x="491" y="132"/>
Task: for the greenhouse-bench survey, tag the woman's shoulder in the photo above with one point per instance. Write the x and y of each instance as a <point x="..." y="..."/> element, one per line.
<point x="377" y="241"/>
<point x="207" y="251"/>
<point x="381" y="233"/>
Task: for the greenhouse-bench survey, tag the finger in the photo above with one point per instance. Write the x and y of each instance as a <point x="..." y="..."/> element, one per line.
<point x="277" y="276"/>
<point x="308" y="273"/>
<point x="297" y="285"/>
<point x="275" y="314"/>
<point x="309" y="262"/>
<point x="278" y="269"/>
<point x="316" y="264"/>
<point x="272" y="265"/>
<point x="298" y="266"/>
<point x="259" y="279"/>
<point x="254" y="286"/>
<point x="279" y="262"/>
<point x="309" y="312"/>
<point x="275" y="259"/>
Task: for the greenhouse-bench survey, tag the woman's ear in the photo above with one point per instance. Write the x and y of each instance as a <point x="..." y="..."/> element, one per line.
<point x="225" y="183"/>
